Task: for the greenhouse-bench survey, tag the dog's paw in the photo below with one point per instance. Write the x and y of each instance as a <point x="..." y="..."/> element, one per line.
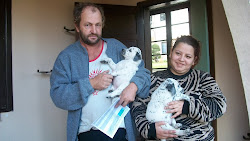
<point x="114" y="73"/>
<point x="110" y="91"/>
<point x="108" y="96"/>
<point x="104" y="62"/>
<point x="178" y="125"/>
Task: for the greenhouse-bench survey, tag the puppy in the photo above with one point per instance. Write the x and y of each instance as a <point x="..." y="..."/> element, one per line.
<point x="124" y="70"/>
<point x="168" y="91"/>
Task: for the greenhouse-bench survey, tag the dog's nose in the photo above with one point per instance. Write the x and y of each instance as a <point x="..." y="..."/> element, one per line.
<point x="123" y="51"/>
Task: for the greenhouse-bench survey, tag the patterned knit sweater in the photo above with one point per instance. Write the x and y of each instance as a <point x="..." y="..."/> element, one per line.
<point x="207" y="104"/>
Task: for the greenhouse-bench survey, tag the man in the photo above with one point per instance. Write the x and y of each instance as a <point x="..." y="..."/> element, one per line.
<point x="79" y="82"/>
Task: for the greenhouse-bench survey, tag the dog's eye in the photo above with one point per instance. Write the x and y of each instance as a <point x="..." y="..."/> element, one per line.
<point x="130" y="50"/>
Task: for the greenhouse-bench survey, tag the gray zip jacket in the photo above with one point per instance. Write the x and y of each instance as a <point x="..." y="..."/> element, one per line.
<point x="70" y="86"/>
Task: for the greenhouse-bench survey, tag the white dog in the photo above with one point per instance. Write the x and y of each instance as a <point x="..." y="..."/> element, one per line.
<point x="124" y="70"/>
<point x="168" y="91"/>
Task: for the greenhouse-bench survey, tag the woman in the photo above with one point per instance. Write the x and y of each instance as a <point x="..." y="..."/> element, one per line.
<point x="207" y="102"/>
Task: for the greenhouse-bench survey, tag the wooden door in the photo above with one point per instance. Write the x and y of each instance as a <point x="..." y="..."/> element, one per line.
<point x="6" y="92"/>
<point x="120" y="23"/>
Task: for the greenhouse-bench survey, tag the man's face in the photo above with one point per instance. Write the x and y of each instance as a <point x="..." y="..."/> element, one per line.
<point x="90" y="27"/>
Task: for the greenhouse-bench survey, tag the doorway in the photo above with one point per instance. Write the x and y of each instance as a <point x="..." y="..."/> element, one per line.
<point x="6" y="92"/>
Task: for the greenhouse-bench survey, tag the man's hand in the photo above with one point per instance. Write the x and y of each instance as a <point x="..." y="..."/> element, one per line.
<point x="127" y="95"/>
<point x="101" y="81"/>
<point x="163" y="134"/>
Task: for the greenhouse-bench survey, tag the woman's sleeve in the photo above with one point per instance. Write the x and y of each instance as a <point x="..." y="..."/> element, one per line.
<point x="65" y="93"/>
<point x="208" y="103"/>
<point x="139" y="108"/>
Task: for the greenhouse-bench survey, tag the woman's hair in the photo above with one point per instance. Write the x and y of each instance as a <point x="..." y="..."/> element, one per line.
<point x="79" y="7"/>
<point x="192" y="42"/>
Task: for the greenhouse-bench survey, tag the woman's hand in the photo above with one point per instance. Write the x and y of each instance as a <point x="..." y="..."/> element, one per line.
<point x="163" y="134"/>
<point x="175" y="107"/>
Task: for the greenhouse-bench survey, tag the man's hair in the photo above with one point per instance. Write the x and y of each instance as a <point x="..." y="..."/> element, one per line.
<point x="188" y="39"/>
<point x="79" y="7"/>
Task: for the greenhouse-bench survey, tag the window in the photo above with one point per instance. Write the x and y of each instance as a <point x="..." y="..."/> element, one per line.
<point x="163" y="17"/>
<point x="166" y="25"/>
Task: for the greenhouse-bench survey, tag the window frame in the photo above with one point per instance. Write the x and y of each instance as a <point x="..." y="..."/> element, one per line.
<point x="167" y="10"/>
<point x="6" y="88"/>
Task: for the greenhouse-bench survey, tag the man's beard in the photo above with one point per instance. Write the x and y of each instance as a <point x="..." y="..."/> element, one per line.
<point x="87" y="41"/>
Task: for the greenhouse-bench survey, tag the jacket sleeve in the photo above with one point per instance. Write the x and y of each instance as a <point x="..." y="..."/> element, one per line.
<point x="142" y="81"/>
<point x="209" y="103"/>
<point x="66" y="93"/>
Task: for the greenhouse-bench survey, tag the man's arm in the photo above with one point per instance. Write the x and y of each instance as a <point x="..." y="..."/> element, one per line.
<point x="65" y="93"/>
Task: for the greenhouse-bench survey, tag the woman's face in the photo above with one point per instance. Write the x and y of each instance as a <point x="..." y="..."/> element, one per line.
<point x="182" y="59"/>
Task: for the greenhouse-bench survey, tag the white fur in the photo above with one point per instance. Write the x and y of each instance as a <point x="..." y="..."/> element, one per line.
<point x="124" y="70"/>
<point x="168" y="91"/>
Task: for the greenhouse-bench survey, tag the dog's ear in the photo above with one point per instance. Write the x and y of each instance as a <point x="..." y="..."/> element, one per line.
<point x="171" y="88"/>
<point x="137" y="56"/>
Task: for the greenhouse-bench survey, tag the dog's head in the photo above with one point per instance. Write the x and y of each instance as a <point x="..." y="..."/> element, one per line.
<point x="173" y="86"/>
<point x="132" y="53"/>
<point x="170" y="87"/>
